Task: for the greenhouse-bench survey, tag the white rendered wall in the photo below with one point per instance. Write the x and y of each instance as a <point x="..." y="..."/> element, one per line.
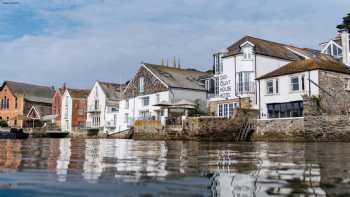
<point x="285" y="94"/>
<point x="66" y="99"/>
<point x="91" y="103"/>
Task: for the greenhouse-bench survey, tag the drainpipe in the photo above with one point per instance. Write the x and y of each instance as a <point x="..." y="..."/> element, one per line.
<point x="259" y="100"/>
<point x="309" y="83"/>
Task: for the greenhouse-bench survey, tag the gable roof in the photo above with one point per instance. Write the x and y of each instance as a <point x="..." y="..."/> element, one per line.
<point x="177" y="77"/>
<point x="31" y="92"/>
<point x="112" y="90"/>
<point x="78" y="93"/>
<point x="269" y="48"/>
<point x="321" y="62"/>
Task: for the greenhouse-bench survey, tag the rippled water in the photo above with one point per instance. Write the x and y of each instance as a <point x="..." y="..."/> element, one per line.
<point x="72" y="167"/>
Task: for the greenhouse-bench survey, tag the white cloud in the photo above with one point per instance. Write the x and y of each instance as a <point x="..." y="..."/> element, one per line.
<point x="104" y="39"/>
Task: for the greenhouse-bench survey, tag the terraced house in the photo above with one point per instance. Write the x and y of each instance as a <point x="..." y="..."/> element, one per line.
<point x="24" y="105"/>
<point x="154" y="88"/>
<point x="74" y="109"/>
<point x="103" y="106"/>
<point x="236" y="70"/>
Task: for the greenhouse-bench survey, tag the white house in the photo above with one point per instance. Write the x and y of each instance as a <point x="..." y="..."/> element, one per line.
<point x="338" y="47"/>
<point x="103" y="106"/>
<point x="235" y="71"/>
<point x="73" y="109"/>
<point x="154" y="86"/>
<point x="282" y="90"/>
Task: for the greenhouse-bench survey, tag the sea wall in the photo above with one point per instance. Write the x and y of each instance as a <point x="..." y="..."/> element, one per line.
<point x="286" y="129"/>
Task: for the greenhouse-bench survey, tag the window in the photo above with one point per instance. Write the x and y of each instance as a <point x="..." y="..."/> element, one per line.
<point x="16" y="103"/>
<point x="126" y="104"/>
<point x="285" y="110"/>
<point x="245" y="85"/>
<point x="217" y="86"/>
<point x="247" y="53"/>
<point x="230" y="109"/>
<point x="240" y="82"/>
<point x="225" y="110"/>
<point x="269" y="87"/>
<point x="277" y="86"/>
<point x="141" y="85"/>
<point x="294" y="84"/>
<point x="220" y="110"/>
<point x="302" y="82"/>
<point x="145" y="101"/>
<point x="218" y="65"/>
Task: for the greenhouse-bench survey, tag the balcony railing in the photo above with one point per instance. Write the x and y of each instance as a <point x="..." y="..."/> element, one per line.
<point x="90" y="125"/>
<point x="94" y="109"/>
<point x="245" y="88"/>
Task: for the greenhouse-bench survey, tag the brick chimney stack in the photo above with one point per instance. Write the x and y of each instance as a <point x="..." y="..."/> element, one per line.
<point x="345" y="44"/>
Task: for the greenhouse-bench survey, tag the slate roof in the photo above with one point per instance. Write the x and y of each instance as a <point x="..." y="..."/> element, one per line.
<point x="321" y="62"/>
<point x="112" y="90"/>
<point x="78" y="93"/>
<point x="31" y="92"/>
<point x="269" y="48"/>
<point x="178" y="77"/>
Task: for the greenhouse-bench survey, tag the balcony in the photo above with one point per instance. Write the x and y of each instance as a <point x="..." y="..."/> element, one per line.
<point x="90" y="125"/>
<point x="93" y="109"/>
<point x="245" y="88"/>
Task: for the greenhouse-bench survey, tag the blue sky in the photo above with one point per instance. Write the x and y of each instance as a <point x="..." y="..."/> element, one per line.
<point x="80" y="41"/>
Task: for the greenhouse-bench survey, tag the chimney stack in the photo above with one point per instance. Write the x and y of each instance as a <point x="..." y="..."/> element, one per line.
<point x="345" y="44"/>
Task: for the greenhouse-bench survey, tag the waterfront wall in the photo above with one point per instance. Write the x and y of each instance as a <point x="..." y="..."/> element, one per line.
<point x="195" y="128"/>
<point x="287" y="129"/>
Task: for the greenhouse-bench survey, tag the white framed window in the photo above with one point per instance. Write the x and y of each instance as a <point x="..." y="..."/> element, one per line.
<point x="145" y="101"/>
<point x="247" y="53"/>
<point x="141" y="84"/>
<point x="294" y="81"/>
<point x="220" y="110"/>
<point x="269" y="87"/>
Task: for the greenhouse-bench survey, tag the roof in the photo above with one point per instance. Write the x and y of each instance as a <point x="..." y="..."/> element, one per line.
<point x="78" y="93"/>
<point x="31" y="92"/>
<point x="269" y="48"/>
<point x="177" y="77"/>
<point x="322" y="62"/>
<point x="112" y="90"/>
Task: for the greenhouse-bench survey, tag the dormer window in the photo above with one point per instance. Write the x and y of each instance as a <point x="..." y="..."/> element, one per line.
<point x="247" y="50"/>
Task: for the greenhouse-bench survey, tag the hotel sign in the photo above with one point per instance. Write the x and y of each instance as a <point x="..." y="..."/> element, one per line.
<point x="225" y="86"/>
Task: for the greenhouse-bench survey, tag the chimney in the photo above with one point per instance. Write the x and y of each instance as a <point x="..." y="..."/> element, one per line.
<point x="345" y="43"/>
<point x="64" y="86"/>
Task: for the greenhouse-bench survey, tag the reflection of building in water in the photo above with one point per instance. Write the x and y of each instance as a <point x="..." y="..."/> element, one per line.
<point x="63" y="159"/>
<point x="125" y="159"/>
<point x="92" y="164"/>
<point x="54" y="152"/>
<point x="11" y="156"/>
<point x="265" y="172"/>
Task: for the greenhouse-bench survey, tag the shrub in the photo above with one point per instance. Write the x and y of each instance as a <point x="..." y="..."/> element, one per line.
<point x="3" y="123"/>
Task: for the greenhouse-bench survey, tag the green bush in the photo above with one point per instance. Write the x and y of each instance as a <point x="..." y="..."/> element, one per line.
<point x="3" y="123"/>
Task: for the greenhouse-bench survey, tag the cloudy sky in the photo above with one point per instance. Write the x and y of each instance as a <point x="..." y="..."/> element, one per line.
<point x="80" y="41"/>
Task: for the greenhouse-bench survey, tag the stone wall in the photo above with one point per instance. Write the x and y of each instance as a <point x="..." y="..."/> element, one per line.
<point x="334" y="99"/>
<point x="195" y="128"/>
<point x="287" y="129"/>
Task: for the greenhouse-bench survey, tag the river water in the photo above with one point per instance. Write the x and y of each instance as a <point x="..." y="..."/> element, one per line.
<point x="103" y="167"/>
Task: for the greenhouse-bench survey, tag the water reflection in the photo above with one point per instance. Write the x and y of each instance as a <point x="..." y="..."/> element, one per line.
<point x="162" y="168"/>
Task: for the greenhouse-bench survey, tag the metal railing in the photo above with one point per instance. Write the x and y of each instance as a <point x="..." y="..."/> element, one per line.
<point x="90" y="125"/>
<point x="245" y="88"/>
<point x="94" y="109"/>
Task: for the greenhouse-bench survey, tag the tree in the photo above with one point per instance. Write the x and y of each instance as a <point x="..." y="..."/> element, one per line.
<point x="345" y="24"/>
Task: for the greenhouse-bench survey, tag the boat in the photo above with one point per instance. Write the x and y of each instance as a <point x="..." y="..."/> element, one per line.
<point x="57" y="134"/>
<point x="13" y="133"/>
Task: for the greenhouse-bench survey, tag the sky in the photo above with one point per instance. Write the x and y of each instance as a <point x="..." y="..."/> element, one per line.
<point x="77" y="42"/>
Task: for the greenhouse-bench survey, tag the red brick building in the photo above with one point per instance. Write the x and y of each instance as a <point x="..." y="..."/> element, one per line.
<point x="20" y="102"/>
<point x="56" y="105"/>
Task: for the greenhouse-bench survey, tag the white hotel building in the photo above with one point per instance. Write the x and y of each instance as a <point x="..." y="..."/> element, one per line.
<point x="236" y="70"/>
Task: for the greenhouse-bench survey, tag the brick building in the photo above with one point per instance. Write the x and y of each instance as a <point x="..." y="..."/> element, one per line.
<point x="21" y="102"/>
<point x="56" y="105"/>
